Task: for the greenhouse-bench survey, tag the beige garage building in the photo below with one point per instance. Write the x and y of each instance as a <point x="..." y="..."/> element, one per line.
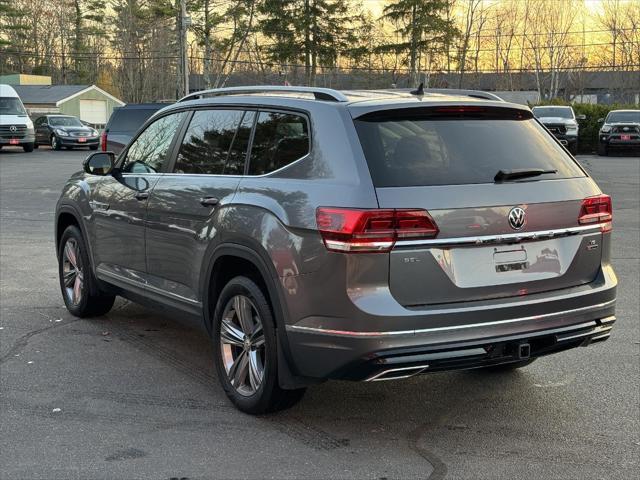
<point x="88" y="102"/>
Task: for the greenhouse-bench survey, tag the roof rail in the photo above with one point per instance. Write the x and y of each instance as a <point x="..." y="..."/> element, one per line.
<point x="319" y="93"/>
<point x="466" y="93"/>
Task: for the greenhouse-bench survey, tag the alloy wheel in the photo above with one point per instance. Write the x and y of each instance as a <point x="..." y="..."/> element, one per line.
<point x="72" y="272"/>
<point x="54" y="142"/>
<point x="242" y="345"/>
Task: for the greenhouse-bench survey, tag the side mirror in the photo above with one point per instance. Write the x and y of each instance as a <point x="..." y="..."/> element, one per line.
<point x="582" y="116"/>
<point x="99" y="163"/>
<point x="601" y="120"/>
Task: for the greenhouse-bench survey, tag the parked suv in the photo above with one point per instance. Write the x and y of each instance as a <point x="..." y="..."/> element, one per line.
<point x="562" y="122"/>
<point x="124" y="123"/>
<point x="621" y="129"/>
<point x="347" y="235"/>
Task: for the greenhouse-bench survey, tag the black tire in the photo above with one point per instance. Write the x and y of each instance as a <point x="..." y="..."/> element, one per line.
<point x="91" y="302"/>
<point x="55" y="143"/>
<point x="602" y="150"/>
<point x="268" y="397"/>
<point x="573" y="149"/>
<point x="35" y="145"/>
<point x="93" y="147"/>
<point x="507" y="367"/>
<point x="28" y="147"/>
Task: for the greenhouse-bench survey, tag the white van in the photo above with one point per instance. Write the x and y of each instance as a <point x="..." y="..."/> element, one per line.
<point x="16" y="128"/>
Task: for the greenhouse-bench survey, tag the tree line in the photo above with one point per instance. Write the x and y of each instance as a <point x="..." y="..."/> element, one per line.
<point x="132" y="48"/>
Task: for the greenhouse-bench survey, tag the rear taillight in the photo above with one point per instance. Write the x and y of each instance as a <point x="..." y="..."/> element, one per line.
<point x="367" y="231"/>
<point x="597" y="210"/>
<point x="103" y="141"/>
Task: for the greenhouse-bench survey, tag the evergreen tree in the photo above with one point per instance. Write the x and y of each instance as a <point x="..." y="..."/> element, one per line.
<point x="424" y="29"/>
<point x="314" y="32"/>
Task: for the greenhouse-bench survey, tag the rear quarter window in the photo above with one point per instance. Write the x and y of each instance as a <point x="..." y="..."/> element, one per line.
<point x="428" y="149"/>
<point x="279" y="139"/>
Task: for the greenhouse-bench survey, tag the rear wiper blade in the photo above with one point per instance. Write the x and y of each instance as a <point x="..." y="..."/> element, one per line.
<point x="517" y="173"/>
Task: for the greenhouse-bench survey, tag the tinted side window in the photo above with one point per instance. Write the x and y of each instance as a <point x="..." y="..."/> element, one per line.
<point x="207" y="142"/>
<point x="280" y="138"/>
<point x="148" y="152"/>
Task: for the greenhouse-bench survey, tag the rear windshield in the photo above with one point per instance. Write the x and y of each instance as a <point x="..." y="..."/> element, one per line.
<point x="129" y="119"/>
<point x="415" y="150"/>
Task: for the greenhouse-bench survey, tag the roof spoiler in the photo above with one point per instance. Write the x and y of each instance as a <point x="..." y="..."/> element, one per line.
<point x="466" y="93"/>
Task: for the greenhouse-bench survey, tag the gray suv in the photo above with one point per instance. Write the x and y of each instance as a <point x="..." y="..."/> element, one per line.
<point x="362" y="235"/>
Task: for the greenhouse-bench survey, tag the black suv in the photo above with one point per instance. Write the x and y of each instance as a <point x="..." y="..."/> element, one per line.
<point x="124" y="123"/>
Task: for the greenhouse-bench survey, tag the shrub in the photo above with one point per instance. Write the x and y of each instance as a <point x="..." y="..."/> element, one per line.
<point x="589" y="127"/>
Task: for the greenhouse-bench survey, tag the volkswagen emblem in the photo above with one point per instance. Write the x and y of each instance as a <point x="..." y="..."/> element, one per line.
<point x="517" y="218"/>
<point x="12" y="128"/>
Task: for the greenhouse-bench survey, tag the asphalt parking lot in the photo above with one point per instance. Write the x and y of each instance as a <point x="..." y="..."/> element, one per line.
<point x="134" y="395"/>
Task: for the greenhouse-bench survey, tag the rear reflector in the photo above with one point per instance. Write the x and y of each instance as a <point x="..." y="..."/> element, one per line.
<point x="597" y="209"/>
<point x="367" y="231"/>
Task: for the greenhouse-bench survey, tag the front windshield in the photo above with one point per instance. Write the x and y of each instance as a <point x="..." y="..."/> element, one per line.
<point x="11" y="106"/>
<point x="552" y="112"/>
<point x="615" y="117"/>
<point x="65" y="122"/>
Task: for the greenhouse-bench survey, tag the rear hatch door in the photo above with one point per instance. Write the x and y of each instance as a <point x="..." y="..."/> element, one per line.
<point x="446" y="160"/>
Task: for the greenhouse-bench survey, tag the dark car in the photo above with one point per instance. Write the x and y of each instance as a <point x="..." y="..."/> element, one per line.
<point x="66" y="131"/>
<point x="124" y="123"/>
<point x="360" y="235"/>
<point x="620" y="130"/>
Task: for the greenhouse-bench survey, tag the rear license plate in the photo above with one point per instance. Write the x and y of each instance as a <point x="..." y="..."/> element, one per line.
<point x="510" y="260"/>
<point x="82" y="140"/>
<point x="14" y="141"/>
<point x="625" y="137"/>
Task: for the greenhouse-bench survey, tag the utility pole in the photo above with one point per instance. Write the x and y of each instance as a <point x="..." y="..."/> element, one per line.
<point x="183" y="22"/>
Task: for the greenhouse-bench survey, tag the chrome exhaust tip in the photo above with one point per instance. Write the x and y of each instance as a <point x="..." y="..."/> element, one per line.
<point x="397" y="373"/>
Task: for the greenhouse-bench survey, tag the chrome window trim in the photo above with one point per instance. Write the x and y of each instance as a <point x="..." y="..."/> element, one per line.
<point x="508" y="237"/>
<point x="347" y="333"/>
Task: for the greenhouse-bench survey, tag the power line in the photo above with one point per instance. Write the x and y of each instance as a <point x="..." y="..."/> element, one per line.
<point x="126" y="55"/>
<point x="347" y="69"/>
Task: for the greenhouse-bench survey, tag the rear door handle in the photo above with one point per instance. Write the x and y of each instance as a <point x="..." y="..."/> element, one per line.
<point x="141" y="195"/>
<point x="209" y="201"/>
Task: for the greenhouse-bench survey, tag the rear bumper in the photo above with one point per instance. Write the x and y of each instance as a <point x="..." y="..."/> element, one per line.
<point x="484" y="333"/>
